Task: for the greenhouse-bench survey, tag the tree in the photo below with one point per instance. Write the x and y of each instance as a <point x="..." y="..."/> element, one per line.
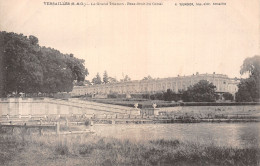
<point x="252" y="66"/>
<point x="169" y="95"/>
<point x="157" y="96"/>
<point x="125" y="79"/>
<point x="203" y="91"/>
<point x="228" y="96"/>
<point x="23" y="71"/>
<point x="2" y="69"/>
<point x="80" y="83"/>
<point x="147" y="78"/>
<point x="112" y="80"/>
<point x="249" y="89"/>
<point x="244" y="90"/>
<point x="96" y="80"/>
<point x="187" y="95"/>
<point x="87" y="82"/>
<point x="60" y="70"/>
<point x="105" y="77"/>
<point x="30" y="68"/>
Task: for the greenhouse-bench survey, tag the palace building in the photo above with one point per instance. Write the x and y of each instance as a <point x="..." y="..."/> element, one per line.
<point x="222" y="82"/>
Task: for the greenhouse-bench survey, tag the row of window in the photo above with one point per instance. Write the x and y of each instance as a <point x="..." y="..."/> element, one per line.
<point x="149" y="88"/>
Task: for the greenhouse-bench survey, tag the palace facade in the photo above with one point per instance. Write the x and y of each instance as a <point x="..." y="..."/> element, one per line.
<point x="222" y="82"/>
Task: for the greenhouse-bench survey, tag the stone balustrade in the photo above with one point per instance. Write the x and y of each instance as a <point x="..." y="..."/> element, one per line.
<point x="47" y="106"/>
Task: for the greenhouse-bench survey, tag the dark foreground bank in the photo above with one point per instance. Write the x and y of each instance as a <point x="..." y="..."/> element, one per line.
<point x="93" y="150"/>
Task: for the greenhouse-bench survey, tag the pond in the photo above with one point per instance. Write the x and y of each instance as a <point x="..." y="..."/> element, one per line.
<point x="220" y="134"/>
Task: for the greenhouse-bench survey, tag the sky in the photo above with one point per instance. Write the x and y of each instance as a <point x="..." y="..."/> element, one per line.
<point x="157" y="40"/>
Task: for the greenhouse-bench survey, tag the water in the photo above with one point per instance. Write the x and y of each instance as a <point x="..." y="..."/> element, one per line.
<point x="220" y="134"/>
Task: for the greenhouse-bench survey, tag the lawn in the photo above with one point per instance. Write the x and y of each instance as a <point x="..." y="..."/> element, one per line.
<point x="93" y="150"/>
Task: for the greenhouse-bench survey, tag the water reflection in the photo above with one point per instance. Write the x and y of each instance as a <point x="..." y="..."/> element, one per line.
<point x="220" y="134"/>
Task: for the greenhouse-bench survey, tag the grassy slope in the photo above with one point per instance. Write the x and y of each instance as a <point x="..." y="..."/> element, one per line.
<point x="91" y="150"/>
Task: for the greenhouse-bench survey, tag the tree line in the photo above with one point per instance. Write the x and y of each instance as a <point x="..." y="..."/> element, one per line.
<point x="249" y="88"/>
<point x="27" y="67"/>
<point x="105" y="80"/>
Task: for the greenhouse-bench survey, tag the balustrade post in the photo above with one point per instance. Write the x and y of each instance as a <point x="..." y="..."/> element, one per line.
<point x="67" y="122"/>
<point x="58" y="128"/>
<point x="91" y="123"/>
<point x="40" y="131"/>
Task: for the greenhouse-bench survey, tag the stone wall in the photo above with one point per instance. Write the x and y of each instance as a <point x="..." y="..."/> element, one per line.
<point x="31" y="106"/>
<point x="49" y="106"/>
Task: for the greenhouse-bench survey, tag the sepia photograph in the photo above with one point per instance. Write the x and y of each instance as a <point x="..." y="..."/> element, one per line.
<point x="130" y="83"/>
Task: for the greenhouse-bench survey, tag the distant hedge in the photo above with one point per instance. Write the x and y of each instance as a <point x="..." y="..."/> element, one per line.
<point x="122" y="104"/>
<point x="199" y="104"/>
<point x="217" y="104"/>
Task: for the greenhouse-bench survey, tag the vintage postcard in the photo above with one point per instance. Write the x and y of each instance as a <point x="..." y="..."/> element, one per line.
<point x="130" y="82"/>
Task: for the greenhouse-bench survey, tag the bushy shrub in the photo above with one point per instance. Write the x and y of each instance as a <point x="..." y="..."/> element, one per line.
<point x="203" y="91"/>
<point x="228" y="96"/>
<point x="87" y="122"/>
<point x="137" y="96"/>
<point x="146" y="96"/>
<point x="112" y="96"/>
<point x="62" y="149"/>
<point x="157" y="96"/>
